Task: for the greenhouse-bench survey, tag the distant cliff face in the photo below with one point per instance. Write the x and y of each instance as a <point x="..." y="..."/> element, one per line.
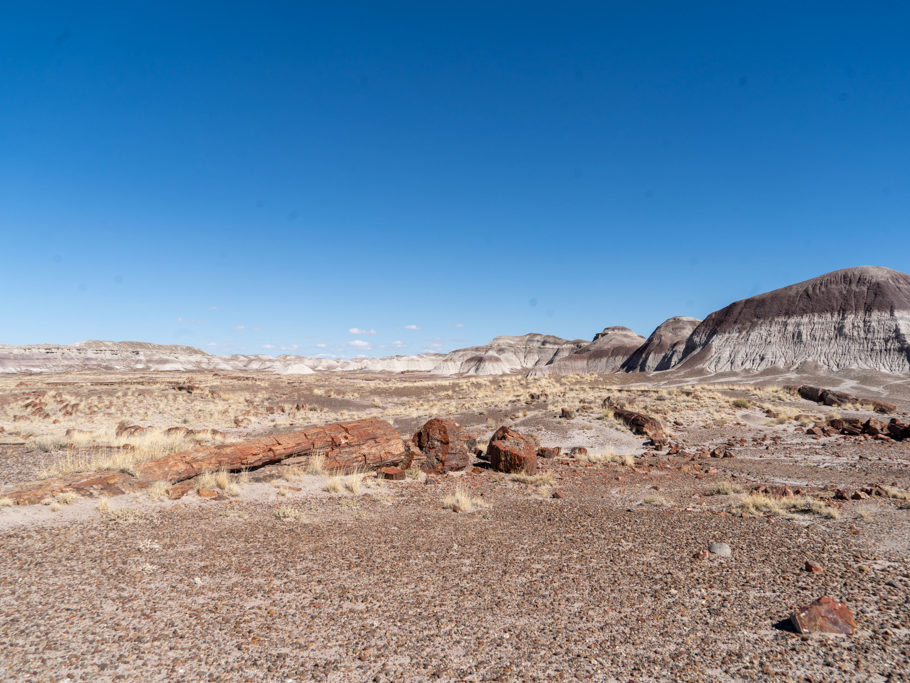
<point x="506" y="354"/>
<point x="606" y="353"/>
<point x="664" y="347"/>
<point x="853" y="318"/>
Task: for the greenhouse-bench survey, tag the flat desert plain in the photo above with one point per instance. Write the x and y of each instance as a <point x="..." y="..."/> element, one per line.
<point x="594" y="567"/>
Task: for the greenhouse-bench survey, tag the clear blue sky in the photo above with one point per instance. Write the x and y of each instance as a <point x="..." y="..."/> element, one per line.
<point x="249" y="176"/>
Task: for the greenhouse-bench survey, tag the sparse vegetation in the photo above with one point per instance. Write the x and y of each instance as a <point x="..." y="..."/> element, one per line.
<point x="741" y="403"/>
<point x="656" y="501"/>
<point x="462" y="501"/>
<point x="757" y="504"/>
<point x="287" y="514"/>
<point x="6" y="502"/>
<point x="724" y="488"/>
<point x="333" y="485"/>
<point x="538" y="480"/>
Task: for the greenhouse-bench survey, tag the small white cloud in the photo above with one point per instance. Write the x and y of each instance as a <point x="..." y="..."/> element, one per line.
<point x="459" y="324"/>
<point x="268" y="346"/>
<point x="212" y="344"/>
<point x="360" y="344"/>
<point x="240" y="327"/>
<point x="213" y="308"/>
<point x="322" y="346"/>
<point x="357" y="330"/>
<point x="290" y="347"/>
<point x="398" y="344"/>
<point x="411" y="327"/>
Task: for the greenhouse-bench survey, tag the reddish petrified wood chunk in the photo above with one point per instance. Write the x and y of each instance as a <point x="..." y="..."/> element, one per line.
<point x="825" y="615"/>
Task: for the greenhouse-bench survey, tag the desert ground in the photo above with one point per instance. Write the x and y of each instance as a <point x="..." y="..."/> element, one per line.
<point x="596" y="567"/>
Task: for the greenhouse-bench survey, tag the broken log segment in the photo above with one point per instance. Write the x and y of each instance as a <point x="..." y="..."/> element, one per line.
<point x="640" y="423"/>
<point x="345" y="447"/>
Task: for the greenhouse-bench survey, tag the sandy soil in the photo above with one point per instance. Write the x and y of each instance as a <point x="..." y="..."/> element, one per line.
<point x="286" y="581"/>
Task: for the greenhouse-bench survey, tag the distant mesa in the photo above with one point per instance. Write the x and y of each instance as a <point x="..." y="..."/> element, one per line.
<point x="664" y="347"/>
<point x="605" y="353"/>
<point x="852" y="318"/>
<point x="857" y="318"/>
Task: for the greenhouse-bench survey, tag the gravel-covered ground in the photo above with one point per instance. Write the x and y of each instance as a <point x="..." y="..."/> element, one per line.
<point x="602" y="583"/>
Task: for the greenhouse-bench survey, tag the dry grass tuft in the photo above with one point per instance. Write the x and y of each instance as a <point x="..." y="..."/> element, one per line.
<point x="6" y="502"/>
<point x="896" y="493"/>
<point x="104" y="506"/>
<point x="741" y="403"/>
<point x="607" y="457"/>
<point x="656" y="501"/>
<point x="333" y="485"/>
<point x="462" y="501"/>
<point x="352" y="483"/>
<point x="538" y="480"/>
<point x="757" y="504"/>
<point x="158" y="490"/>
<point x="724" y="488"/>
<point x="287" y="514"/>
<point x="316" y="464"/>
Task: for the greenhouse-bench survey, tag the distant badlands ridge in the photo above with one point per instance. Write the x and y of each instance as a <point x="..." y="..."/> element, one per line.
<point x="853" y="318"/>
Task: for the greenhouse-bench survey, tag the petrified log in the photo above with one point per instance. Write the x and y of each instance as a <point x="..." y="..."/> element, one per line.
<point x="825" y="396"/>
<point x="511" y="451"/>
<point x="445" y="446"/>
<point x="345" y="446"/>
<point x="640" y="423"/>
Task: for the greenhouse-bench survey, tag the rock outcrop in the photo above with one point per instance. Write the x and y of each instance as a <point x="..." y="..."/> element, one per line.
<point x="606" y="353"/>
<point x="664" y="347"/>
<point x="853" y="318"/>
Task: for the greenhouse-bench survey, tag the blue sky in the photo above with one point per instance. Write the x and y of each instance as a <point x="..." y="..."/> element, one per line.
<point x="267" y="177"/>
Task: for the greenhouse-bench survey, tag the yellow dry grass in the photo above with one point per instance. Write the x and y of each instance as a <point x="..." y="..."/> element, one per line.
<point x="462" y="501"/>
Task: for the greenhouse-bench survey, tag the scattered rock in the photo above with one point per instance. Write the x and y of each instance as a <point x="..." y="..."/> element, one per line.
<point x="557" y="494"/>
<point x="511" y="451"/>
<point x="207" y="493"/>
<point x="548" y="452"/>
<point x="392" y="473"/>
<point x="720" y="549"/>
<point x="825" y="615"/>
<point x="445" y="446"/>
<point x="567" y="414"/>
<point x="813" y="567"/>
<point x="578" y="451"/>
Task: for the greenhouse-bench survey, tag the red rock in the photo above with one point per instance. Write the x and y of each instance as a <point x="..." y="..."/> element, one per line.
<point x="639" y="423"/>
<point x="511" y="451"/>
<point x="577" y="451"/>
<point x="813" y="567"/>
<point x="701" y="554"/>
<point x="392" y="473"/>
<point x="898" y="430"/>
<point x="557" y="494"/>
<point x="567" y="414"/>
<point x="859" y="495"/>
<point x="825" y="615"/>
<point x="883" y="407"/>
<point x="548" y="452"/>
<point x="207" y="493"/>
<point x="873" y="427"/>
<point x="445" y="446"/>
<point x="841" y="494"/>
